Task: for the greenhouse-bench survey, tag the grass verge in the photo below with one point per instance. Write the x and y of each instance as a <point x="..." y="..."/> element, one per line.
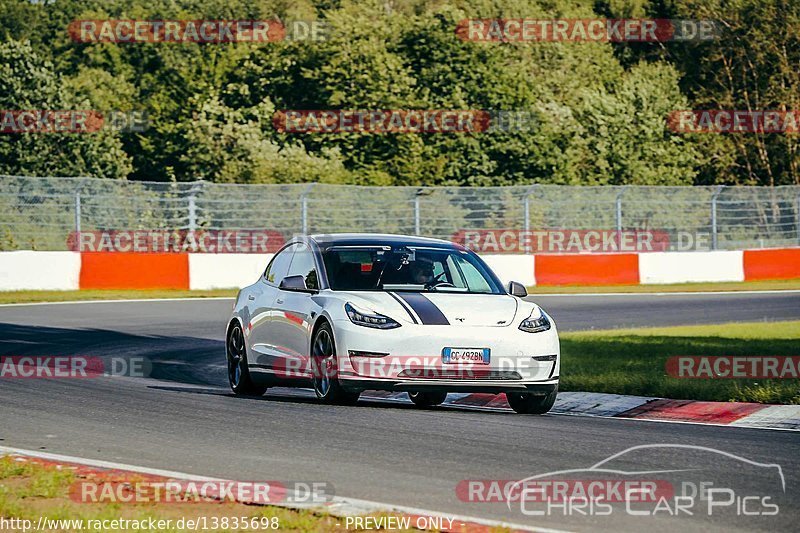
<point x="16" y="297"/>
<point x="29" y="490"/>
<point x="70" y="296"/>
<point x="633" y="361"/>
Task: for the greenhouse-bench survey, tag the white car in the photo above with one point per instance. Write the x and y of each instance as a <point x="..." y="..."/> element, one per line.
<point x="353" y="312"/>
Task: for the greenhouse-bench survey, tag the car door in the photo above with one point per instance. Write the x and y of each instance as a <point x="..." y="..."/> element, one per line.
<point x="261" y="302"/>
<point x="295" y="311"/>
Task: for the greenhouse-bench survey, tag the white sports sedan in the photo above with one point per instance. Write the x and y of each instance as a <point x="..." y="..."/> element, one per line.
<point x="353" y="312"/>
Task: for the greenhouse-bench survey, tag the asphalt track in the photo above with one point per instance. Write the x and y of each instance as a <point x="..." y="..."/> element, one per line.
<point x="183" y="417"/>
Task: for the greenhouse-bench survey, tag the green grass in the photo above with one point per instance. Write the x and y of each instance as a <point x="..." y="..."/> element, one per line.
<point x="633" y="361"/>
<point x="774" y="285"/>
<point x="31" y="490"/>
<point x="70" y="296"/>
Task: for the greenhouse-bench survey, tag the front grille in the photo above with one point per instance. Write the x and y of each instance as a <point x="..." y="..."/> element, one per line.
<point x="476" y="374"/>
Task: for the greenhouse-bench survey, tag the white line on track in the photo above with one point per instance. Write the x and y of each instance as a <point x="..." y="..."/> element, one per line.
<point x="338" y="506"/>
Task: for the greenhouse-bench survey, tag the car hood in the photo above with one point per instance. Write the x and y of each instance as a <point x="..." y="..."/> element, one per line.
<point x="431" y="308"/>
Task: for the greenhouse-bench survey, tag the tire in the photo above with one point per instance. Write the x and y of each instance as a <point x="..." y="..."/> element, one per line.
<point x="325" y="369"/>
<point x="238" y="372"/>
<point x="526" y="403"/>
<point x="427" y="399"/>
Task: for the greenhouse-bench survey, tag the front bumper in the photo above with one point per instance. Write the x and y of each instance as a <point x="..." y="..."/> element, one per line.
<point x="410" y="358"/>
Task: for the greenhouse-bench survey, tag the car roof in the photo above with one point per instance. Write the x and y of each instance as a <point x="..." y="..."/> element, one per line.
<point x="328" y="240"/>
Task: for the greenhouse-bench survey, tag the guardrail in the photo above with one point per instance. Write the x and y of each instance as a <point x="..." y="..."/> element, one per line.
<point x="41" y="212"/>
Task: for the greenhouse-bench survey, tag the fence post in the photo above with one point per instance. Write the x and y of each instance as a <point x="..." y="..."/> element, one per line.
<point x="78" y="212"/>
<point x="618" y="205"/>
<point x="714" y="216"/>
<point x="527" y="203"/>
<point x="78" y="207"/>
<point x="304" y="205"/>
<point x="798" y="218"/>
<point x="417" y="222"/>
<point x="192" y="208"/>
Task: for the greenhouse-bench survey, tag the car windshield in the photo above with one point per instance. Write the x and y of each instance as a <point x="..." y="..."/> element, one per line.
<point x="386" y="268"/>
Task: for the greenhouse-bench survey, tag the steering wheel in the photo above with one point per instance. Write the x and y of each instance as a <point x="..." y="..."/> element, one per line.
<point x="441" y="283"/>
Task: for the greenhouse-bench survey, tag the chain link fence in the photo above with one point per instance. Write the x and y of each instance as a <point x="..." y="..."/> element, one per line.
<point x="39" y="213"/>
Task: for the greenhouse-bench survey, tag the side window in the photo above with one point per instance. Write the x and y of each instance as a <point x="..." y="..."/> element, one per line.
<point x="472" y="276"/>
<point x="303" y="265"/>
<point x="279" y="267"/>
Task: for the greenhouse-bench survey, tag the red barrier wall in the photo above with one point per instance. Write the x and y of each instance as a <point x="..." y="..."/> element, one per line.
<point x="772" y="264"/>
<point x="594" y="269"/>
<point x="134" y="271"/>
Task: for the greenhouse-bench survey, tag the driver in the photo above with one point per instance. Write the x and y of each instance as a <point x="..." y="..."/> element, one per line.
<point x="422" y="270"/>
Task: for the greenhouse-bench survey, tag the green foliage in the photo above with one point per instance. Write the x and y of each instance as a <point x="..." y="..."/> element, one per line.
<point x="597" y="110"/>
<point x="29" y="82"/>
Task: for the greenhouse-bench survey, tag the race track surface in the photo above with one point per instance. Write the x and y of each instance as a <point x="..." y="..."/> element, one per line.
<point x="183" y="417"/>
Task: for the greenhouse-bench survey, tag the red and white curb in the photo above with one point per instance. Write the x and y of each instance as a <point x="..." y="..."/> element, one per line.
<point x="337" y="506"/>
<point x="738" y="414"/>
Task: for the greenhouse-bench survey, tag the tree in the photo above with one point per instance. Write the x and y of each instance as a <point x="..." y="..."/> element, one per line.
<point x="27" y="83"/>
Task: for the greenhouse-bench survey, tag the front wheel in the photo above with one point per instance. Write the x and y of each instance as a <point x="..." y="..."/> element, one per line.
<point x="526" y="403"/>
<point x="325" y="369"/>
<point x="238" y="372"/>
<point x="427" y="399"/>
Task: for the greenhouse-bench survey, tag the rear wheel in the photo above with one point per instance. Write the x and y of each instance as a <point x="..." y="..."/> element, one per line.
<point x="528" y="404"/>
<point x="325" y="369"/>
<point x="427" y="399"/>
<point x="238" y="372"/>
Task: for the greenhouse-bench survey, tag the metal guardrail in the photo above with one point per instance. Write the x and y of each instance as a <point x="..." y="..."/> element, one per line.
<point x="40" y="212"/>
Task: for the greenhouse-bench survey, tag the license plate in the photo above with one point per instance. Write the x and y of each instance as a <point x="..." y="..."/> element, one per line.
<point x="466" y="355"/>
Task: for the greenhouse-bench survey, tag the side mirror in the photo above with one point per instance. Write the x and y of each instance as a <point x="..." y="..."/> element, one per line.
<point x="294" y="283"/>
<point x="517" y="289"/>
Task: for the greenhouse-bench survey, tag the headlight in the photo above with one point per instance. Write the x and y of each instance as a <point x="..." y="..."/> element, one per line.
<point x="535" y="325"/>
<point x="370" y="320"/>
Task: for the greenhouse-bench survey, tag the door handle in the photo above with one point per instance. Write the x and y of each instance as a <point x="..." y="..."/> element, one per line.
<point x="279" y="301"/>
<point x="251" y="297"/>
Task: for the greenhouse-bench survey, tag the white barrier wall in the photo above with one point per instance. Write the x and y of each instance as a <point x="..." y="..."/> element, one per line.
<point x="512" y="267"/>
<point x="42" y="271"/>
<point x="689" y="267"/>
<point x="224" y="271"/>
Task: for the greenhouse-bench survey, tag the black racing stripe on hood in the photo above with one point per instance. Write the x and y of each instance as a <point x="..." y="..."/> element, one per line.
<point x="404" y="306"/>
<point x="425" y="309"/>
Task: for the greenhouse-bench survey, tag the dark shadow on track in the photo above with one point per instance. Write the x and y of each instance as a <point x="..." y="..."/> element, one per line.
<point x="182" y="359"/>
